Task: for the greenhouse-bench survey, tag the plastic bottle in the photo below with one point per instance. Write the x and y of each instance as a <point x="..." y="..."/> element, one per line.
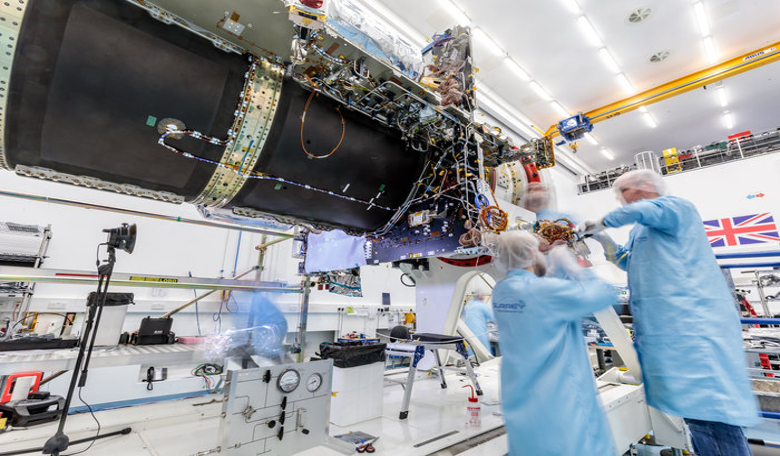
<point x="473" y="410"/>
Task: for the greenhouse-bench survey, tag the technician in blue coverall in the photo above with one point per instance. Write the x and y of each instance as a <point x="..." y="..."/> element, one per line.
<point x="686" y="326"/>
<point x="548" y="392"/>
<point x="477" y="314"/>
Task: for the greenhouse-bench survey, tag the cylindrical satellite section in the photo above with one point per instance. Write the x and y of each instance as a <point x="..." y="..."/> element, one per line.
<point x="510" y="181"/>
<point x="90" y="82"/>
<point x="367" y="176"/>
<point x="94" y="83"/>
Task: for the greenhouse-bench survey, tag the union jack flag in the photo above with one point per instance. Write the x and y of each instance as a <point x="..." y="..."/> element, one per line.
<point x="741" y="230"/>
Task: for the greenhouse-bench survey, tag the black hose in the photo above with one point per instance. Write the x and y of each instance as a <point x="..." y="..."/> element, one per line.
<point x="414" y="282"/>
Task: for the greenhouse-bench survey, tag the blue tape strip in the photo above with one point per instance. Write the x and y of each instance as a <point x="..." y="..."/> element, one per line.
<point x="750" y="265"/>
<point x="772" y="415"/>
<point x="139" y="401"/>
<point x="760" y="321"/>
<point x="725" y="256"/>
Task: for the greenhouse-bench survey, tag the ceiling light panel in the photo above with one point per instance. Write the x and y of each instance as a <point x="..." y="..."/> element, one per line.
<point x="560" y="110"/>
<point x="710" y="51"/>
<point x="456" y="13"/>
<point x="591" y="139"/>
<point x="540" y="91"/>
<point x="722" y="97"/>
<point x="572" y="6"/>
<point x="649" y="120"/>
<point x="589" y="31"/>
<point x="607" y="154"/>
<point x="701" y="18"/>
<point x="510" y="117"/>
<point x="517" y="69"/>
<point x="484" y="40"/>
<point x="625" y="84"/>
<point x="608" y="60"/>
<point x="728" y="120"/>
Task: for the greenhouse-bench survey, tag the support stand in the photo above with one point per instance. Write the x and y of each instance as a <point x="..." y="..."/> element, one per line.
<point x="59" y="442"/>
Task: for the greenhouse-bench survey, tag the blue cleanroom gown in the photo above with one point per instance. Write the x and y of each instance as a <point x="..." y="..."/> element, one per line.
<point x="548" y="392"/>
<point x="686" y="326"/>
<point x="476" y="315"/>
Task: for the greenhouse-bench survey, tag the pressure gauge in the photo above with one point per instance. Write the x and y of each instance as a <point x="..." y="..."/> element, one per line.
<point x="314" y="382"/>
<point x="288" y="380"/>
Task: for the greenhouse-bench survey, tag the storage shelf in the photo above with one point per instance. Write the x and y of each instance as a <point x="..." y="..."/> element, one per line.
<point x="64" y="359"/>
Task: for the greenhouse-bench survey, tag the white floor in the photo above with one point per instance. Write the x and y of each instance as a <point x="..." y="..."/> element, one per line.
<point x="190" y="427"/>
<point x="433" y="412"/>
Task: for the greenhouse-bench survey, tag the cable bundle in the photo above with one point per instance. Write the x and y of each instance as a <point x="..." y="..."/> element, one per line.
<point x="206" y="371"/>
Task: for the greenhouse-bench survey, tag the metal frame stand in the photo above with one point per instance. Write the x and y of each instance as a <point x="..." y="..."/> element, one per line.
<point x="417" y="351"/>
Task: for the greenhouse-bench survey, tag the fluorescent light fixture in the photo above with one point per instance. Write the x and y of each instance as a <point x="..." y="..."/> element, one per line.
<point x="456" y="13"/>
<point x="607" y="154"/>
<point x="572" y="6"/>
<point x="701" y="18"/>
<point x="589" y="31"/>
<point x="643" y="109"/>
<point x="610" y="63"/>
<point x="591" y="139"/>
<point x="485" y="40"/>
<point x="530" y="134"/>
<point x="709" y="50"/>
<point x="497" y="109"/>
<point x="722" y="97"/>
<point x="540" y="91"/>
<point x="625" y="84"/>
<point x="649" y="120"/>
<point x="519" y="71"/>
<point x="728" y="120"/>
<point x="560" y="109"/>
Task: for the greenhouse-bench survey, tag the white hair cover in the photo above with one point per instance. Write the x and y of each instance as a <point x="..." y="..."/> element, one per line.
<point x="515" y="250"/>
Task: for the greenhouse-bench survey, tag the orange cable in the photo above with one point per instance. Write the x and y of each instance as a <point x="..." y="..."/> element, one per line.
<point x="303" y="119"/>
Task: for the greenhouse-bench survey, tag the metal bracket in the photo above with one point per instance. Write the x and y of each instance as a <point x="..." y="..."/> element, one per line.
<point x="93" y="182"/>
<point x="11" y="14"/>
<point x="254" y="117"/>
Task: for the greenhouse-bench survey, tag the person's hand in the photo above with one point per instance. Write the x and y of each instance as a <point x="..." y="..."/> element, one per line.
<point x="545" y="245"/>
<point x="561" y="262"/>
<point x="590" y="227"/>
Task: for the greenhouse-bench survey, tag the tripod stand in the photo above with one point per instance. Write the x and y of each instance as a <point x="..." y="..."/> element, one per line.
<point x="59" y="442"/>
<point x="118" y="238"/>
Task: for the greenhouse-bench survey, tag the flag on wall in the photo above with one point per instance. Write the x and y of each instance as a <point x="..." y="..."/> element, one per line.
<point x="741" y="230"/>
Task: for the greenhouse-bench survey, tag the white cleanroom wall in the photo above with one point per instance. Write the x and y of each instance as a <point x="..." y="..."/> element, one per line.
<point x="745" y="187"/>
<point x="170" y="249"/>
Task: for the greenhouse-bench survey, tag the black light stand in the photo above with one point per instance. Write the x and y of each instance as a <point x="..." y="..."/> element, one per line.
<point x="119" y="238"/>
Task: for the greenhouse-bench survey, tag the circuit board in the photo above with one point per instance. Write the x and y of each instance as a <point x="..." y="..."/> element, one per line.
<point x="439" y="237"/>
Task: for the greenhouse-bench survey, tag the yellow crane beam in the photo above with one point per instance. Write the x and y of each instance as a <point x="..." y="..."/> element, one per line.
<point x="715" y="73"/>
